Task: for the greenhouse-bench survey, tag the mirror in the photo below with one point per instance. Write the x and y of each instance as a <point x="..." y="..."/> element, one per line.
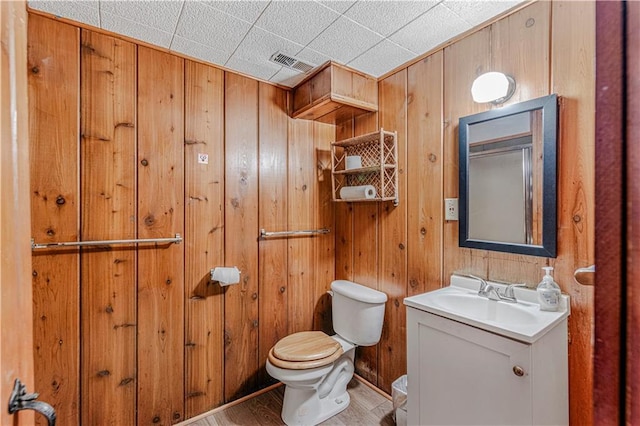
<point x="508" y="178"/>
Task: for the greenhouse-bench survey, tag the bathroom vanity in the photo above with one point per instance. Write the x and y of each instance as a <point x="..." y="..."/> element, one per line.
<point x="471" y="360"/>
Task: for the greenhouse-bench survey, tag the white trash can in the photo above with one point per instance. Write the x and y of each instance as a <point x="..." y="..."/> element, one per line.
<point x="399" y="397"/>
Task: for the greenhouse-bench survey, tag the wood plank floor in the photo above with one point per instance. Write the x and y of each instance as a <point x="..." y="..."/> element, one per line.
<point x="367" y="407"/>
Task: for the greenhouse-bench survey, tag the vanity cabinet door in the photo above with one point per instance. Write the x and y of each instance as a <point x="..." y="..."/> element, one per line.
<point x="460" y="375"/>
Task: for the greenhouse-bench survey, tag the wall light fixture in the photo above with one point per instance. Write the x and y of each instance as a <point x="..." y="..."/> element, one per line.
<point x="494" y="87"/>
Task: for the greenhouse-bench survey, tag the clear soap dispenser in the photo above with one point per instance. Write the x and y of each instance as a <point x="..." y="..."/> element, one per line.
<point x="548" y="292"/>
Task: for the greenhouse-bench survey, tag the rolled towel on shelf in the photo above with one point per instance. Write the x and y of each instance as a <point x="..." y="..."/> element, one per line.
<point x="353" y="162"/>
<point x="360" y="192"/>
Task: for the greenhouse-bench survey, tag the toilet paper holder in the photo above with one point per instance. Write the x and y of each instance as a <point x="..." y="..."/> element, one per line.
<point x="225" y="275"/>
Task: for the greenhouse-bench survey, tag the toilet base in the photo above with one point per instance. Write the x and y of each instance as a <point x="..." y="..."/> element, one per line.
<point x="312" y="396"/>
<point x="304" y="407"/>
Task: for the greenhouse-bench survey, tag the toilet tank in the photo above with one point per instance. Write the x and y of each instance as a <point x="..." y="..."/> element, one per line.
<point x="358" y="312"/>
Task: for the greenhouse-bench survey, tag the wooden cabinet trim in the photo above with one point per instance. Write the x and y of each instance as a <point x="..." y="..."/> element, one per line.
<point x="324" y="92"/>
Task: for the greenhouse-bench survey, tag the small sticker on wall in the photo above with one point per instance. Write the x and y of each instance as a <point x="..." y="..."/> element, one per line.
<point x="203" y="158"/>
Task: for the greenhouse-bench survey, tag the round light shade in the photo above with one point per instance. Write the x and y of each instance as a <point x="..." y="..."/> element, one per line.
<point x="493" y="87"/>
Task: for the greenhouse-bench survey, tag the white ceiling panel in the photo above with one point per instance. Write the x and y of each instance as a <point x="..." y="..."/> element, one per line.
<point x="339" y="6"/>
<point x="290" y="20"/>
<point x="199" y="51"/>
<point x="381" y="58"/>
<point x="312" y="57"/>
<point x="211" y="27"/>
<point x="118" y="24"/>
<point x="81" y="11"/>
<point x="386" y="17"/>
<point x="372" y="36"/>
<point x="263" y="70"/>
<point x="287" y="77"/>
<point x="478" y="11"/>
<point x="244" y="9"/>
<point x="162" y="15"/>
<point x="344" y="40"/>
<point x="431" y="29"/>
<point x="259" y="45"/>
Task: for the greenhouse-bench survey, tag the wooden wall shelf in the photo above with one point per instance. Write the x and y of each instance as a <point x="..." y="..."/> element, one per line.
<point x="379" y="154"/>
<point x="334" y="94"/>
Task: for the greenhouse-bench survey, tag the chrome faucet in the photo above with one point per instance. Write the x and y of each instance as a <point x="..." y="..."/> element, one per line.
<point x="493" y="293"/>
<point x="483" y="283"/>
<point x="509" y="295"/>
<point x="486" y="290"/>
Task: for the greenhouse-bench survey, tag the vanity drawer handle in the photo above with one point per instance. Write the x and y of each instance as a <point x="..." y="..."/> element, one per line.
<point x="518" y="371"/>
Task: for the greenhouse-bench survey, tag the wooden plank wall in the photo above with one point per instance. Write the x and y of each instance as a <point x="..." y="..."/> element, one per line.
<point x="324" y="264"/>
<point x="547" y="50"/>
<point x="108" y="202"/>
<point x="397" y="250"/>
<point x="160" y="214"/>
<point x="392" y="260"/>
<point x="504" y="44"/>
<point x="302" y="172"/>
<point x="118" y="136"/>
<point x="204" y="237"/>
<point x="54" y="114"/>
<point x="573" y="77"/>
<point x="559" y="58"/>
<point x="273" y="210"/>
<point x="266" y="171"/>
<point x="424" y="171"/>
<point x="356" y="252"/>
<point x="241" y="216"/>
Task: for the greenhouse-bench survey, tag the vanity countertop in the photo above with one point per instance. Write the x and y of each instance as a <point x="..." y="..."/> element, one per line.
<point x="522" y="321"/>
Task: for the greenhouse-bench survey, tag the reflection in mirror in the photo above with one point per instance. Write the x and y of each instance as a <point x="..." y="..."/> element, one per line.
<point x="501" y="173"/>
<point x="507" y="178"/>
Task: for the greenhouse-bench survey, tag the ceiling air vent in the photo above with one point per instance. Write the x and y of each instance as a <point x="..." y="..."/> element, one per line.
<point x="290" y="62"/>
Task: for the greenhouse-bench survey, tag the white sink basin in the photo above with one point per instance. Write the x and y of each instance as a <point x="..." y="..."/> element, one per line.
<point x="460" y="302"/>
<point x="484" y="309"/>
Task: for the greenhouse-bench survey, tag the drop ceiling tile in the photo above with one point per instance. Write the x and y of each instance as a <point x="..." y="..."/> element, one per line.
<point x="208" y="26"/>
<point x="312" y="57"/>
<point x="430" y="30"/>
<point x="259" y="45"/>
<point x="344" y="40"/>
<point x="476" y="12"/>
<point x="287" y="77"/>
<point x="81" y="11"/>
<point x="339" y="6"/>
<point x="199" y="51"/>
<point x="381" y="58"/>
<point x="386" y="17"/>
<point x="215" y="30"/>
<point x="298" y="21"/>
<point x="259" y="69"/>
<point x="120" y="25"/>
<point x="162" y="15"/>
<point x="246" y="10"/>
<point x="61" y="4"/>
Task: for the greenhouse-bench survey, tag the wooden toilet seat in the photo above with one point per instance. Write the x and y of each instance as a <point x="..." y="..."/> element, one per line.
<point x="304" y="350"/>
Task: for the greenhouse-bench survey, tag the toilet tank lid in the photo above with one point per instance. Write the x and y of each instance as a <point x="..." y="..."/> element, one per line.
<point x="358" y="292"/>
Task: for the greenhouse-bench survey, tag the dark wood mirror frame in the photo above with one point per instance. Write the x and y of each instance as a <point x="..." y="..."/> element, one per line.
<point x="548" y="105"/>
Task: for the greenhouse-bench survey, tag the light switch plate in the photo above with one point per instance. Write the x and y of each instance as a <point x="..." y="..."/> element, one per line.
<point x="450" y="209"/>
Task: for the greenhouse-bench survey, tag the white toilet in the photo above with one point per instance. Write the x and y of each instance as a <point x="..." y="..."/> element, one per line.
<point x="315" y="367"/>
